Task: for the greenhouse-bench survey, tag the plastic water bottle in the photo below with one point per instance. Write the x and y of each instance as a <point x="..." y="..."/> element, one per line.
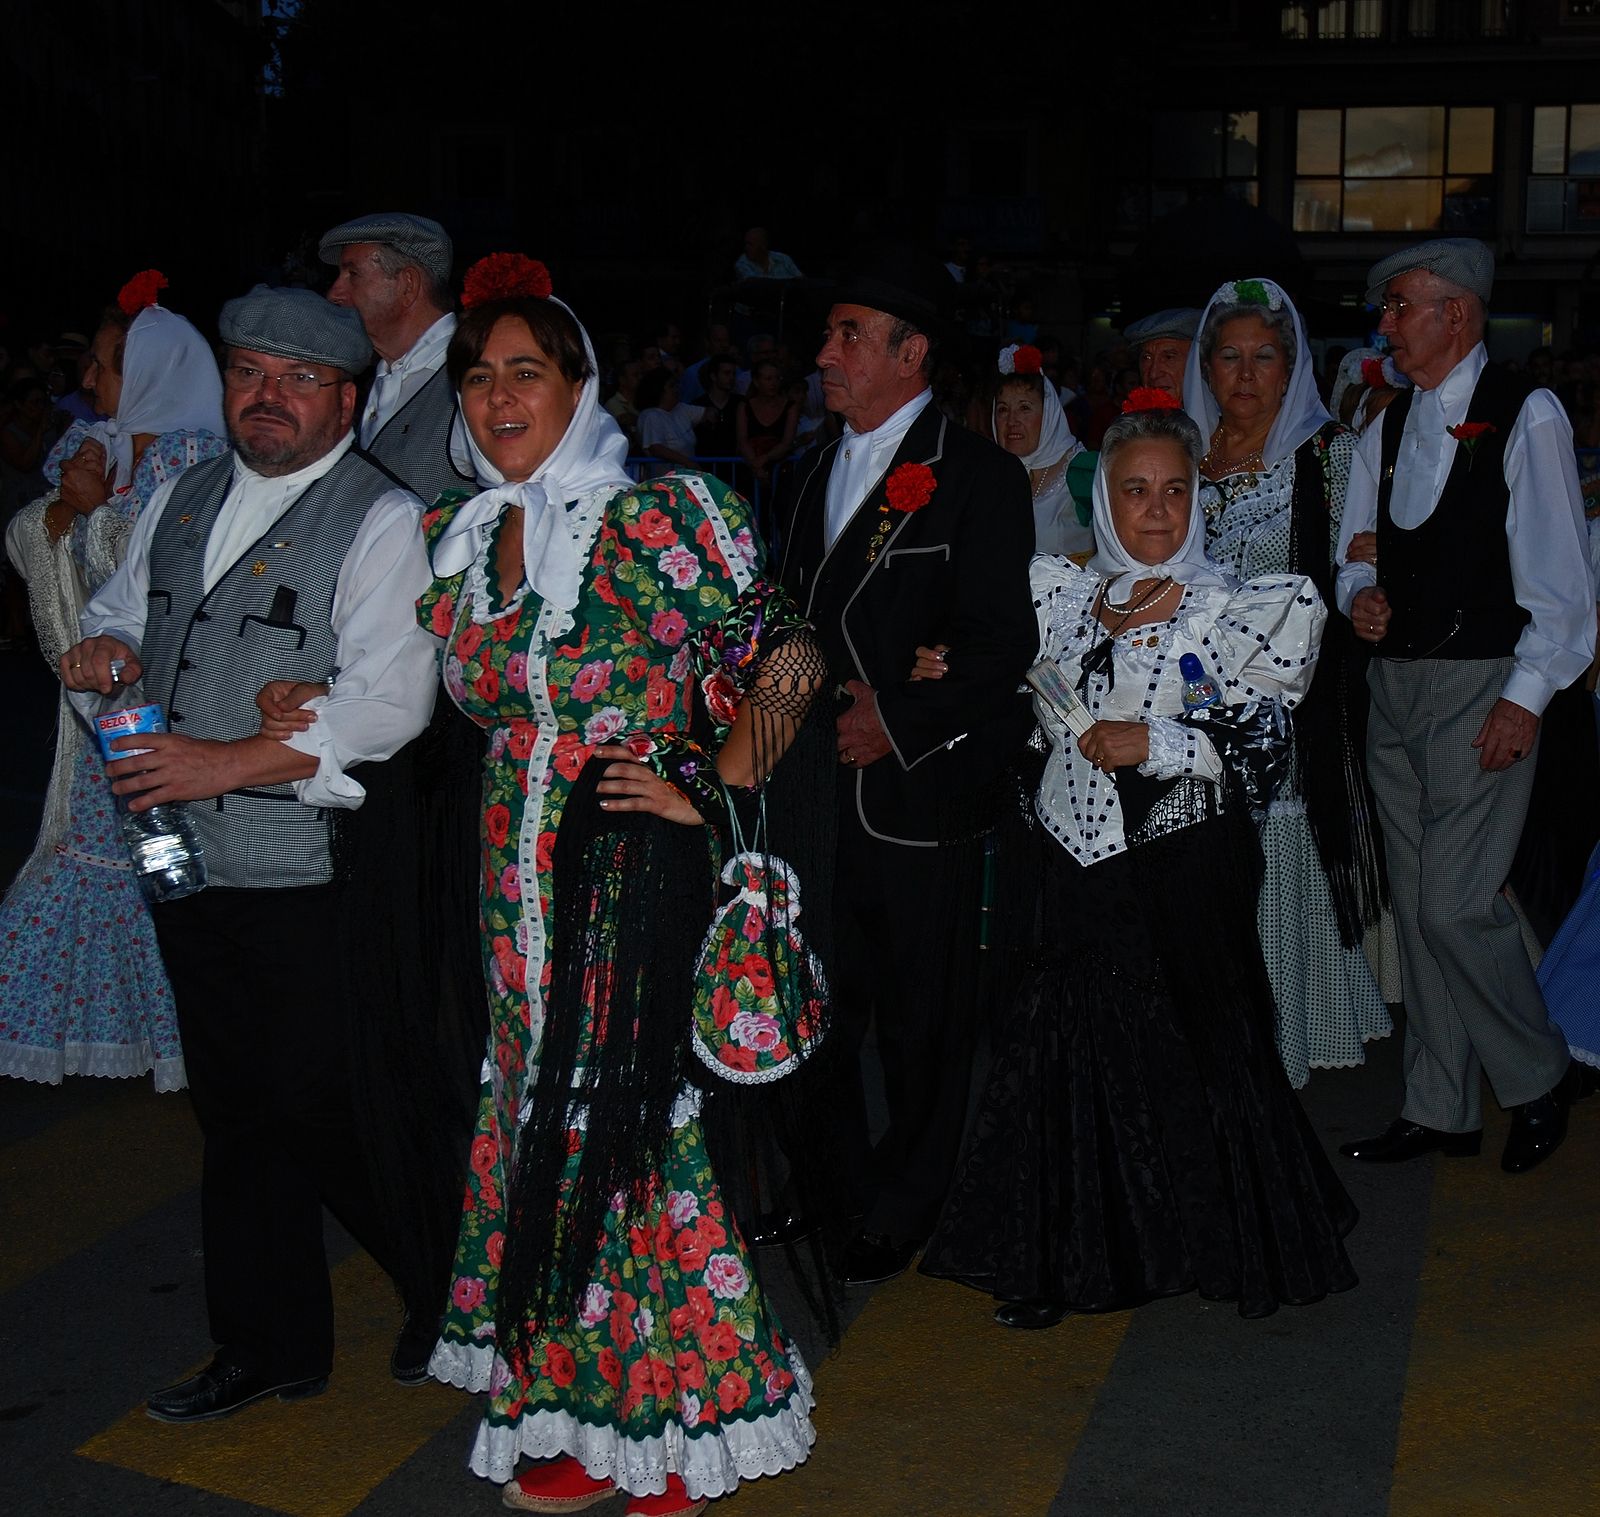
<point x="1199" y="689"/>
<point x="168" y="860"/>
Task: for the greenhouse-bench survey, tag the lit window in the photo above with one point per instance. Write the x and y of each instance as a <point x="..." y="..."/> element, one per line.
<point x="1406" y="168"/>
<point x="1564" y="167"/>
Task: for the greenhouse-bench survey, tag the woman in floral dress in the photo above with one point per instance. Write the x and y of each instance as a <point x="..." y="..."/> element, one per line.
<point x="593" y="627"/>
<point x="82" y="988"/>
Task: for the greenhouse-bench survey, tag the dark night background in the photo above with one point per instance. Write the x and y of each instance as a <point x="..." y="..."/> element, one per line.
<point x="629" y="148"/>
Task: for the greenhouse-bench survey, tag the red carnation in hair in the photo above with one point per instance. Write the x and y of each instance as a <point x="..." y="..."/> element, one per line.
<point x="1146" y="399"/>
<point x="140" y="291"/>
<point x="1027" y="360"/>
<point x="505" y="276"/>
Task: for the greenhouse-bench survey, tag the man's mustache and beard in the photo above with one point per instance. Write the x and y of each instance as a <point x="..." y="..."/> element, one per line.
<point x="283" y="445"/>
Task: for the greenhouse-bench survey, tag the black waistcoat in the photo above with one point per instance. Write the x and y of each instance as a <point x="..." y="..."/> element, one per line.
<point x="1449" y="580"/>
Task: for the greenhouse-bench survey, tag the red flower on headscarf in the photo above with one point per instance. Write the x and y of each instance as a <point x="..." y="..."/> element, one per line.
<point x="1027" y="360"/>
<point x="1147" y="399"/>
<point x="140" y="291"/>
<point x="1372" y="375"/>
<point x="910" y="487"/>
<point x="505" y="276"/>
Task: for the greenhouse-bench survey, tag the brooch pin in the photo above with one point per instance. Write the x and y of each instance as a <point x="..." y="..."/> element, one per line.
<point x="259" y="566"/>
<point x="182" y="520"/>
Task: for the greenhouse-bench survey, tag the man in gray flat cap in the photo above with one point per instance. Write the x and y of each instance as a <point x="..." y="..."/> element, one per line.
<point x="1479" y="609"/>
<point x="292" y="558"/>
<point x="394" y="269"/>
<point x="1161" y="342"/>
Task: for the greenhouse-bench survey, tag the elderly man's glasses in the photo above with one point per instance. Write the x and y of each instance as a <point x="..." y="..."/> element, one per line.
<point x="1396" y="307"/>
<point x="243" y="379"/>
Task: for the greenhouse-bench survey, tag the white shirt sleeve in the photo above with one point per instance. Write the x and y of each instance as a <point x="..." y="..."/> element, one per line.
<point x="1360" y="515"/>
<point x="388" y="666"/>
<point x="1549" y="548"/>
<point x="655" y="426"/>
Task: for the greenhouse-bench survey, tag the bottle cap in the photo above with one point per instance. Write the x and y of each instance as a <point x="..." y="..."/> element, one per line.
<point x="1190" y="667"/>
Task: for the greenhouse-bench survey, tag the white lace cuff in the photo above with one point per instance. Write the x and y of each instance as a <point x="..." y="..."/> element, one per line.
<point x="1178" y="751"/>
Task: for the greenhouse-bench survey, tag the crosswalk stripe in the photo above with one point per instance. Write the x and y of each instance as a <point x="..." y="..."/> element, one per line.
<point x="1502" y="1388"/>
<point x="930" y="1408"/>
<point x="316" y="1458"/>
<point x="83" y="1177"/>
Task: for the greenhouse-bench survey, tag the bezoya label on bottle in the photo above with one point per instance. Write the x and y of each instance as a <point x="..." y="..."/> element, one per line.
<point x="129" y="722"/>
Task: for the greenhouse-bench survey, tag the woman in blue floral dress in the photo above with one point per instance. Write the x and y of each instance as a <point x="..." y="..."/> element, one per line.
<point x="597" y="628"/>
<point x="82" y="988"/>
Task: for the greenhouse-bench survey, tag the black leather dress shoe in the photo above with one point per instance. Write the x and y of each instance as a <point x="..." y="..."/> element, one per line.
<point x="871" y="1258"/>
<point x="783" y="1224"/>
<point x="408" y="1364"/>
<point x="1402" y="1140"/>
<point x="1537" y="1128"/>
<point x="223" y="1387"/>
<point x="1031" y="1314"/>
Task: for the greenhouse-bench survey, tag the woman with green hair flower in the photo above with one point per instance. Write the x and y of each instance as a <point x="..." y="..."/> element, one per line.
<point x="1272" y="488"/>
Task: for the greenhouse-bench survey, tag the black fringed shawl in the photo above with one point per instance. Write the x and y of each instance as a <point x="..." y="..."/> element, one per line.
<point x="1330" y="724"/>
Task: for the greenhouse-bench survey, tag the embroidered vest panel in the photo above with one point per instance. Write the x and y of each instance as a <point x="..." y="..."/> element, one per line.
<point x="414" y="443"/>
<point x="207" y="654"/>
<point x="1449" y="580"/>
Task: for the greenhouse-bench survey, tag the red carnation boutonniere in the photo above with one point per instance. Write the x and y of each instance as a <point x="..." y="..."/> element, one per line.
<point x="1469" y="434"/>
<point x="910" y="487"/>
<point x="140" y="292"/>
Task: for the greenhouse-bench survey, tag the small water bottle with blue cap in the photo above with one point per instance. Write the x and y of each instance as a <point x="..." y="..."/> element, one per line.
<point x="1199" y="689"/>
<point x="167" y="858"/>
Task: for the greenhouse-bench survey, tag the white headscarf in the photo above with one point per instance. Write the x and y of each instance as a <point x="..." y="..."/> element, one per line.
<point x="170" y="383"/>
<point x="1302" y="411"/>
<point x="1055" y="432"/>
<point x="589" y="457"/>
<point x="1189" y="565"/>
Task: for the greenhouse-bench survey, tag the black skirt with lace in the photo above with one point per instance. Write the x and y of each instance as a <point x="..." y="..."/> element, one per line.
<point x="1137" y="1136"/>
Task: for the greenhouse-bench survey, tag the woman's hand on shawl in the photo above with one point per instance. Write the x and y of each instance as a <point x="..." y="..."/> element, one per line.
<point x="1115" y="745"/>
<point x="629" y="784"/>
<point x="85" y="480"/>
<point x="1363" y="549"/>
<point x="930" y="662"/>
<point x="281" y="703"/>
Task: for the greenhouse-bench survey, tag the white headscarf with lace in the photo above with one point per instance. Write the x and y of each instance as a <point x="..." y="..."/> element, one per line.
<point x="1301" y="412"/>
<point x="589" y="457"/>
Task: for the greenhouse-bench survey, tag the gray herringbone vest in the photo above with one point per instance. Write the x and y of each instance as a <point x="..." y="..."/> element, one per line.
<point x="414" y="443"/>
<point x="269" y="617"/>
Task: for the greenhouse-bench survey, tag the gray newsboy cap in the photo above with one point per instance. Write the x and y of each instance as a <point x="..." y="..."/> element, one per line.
<point x="1181" y="322"/>
<point x="425" y="242"/>
<point x="1462" y="260"/>
<point x="296" y="324"/>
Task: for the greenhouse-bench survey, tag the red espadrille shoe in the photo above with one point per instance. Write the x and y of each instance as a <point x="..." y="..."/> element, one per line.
<point x="672" y="1502"/>
<point x="557" y="1485"/>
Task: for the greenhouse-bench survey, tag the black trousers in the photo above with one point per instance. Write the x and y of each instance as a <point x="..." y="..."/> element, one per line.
<point x="266" y="1044"/>
<point x="906" y="924"/>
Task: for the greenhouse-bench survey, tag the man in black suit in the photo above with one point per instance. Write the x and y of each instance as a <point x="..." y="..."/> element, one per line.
<point x="906" y="531"/>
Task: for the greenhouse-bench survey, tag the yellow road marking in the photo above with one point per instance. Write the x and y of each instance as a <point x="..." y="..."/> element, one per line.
<point x="1502" y="1385"/>
<point x="85" y="1176"/>
<point x="931" y="1408"/>
<point x="316" y="1458"/>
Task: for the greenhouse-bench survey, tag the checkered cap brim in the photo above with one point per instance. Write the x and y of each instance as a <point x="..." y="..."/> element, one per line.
<point x="296" y="324"/>
<point x="1462" y="260"/>
<point x="1181" y="322"/>
<point x="425" y="242"/>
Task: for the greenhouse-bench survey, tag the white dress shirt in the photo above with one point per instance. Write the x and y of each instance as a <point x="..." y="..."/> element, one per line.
<point x="384" y="692"/>
<point x="395" y="383"/>
<point x="1545" y="529"/>
<point x="860" y="462"/>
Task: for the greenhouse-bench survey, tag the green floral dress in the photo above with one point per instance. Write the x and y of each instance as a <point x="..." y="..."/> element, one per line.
<point x="672" y="1360"/>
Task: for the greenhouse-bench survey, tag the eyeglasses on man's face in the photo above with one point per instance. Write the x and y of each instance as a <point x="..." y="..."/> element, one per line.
<point x="300" y="383"/>
<point x="1397" y="305"/>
